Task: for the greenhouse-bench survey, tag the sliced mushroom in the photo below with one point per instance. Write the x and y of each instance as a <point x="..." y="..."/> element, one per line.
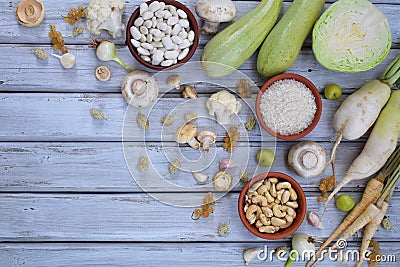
<point x="102" y="73"/>
<point x="222" y="181"/>
<point x="189" y="92"/>
<point x="307" y="159"/>
<point x="139" y="88"/>
<point x="30" y="13"/>
<point x="206" y="138"/>
<point x="186" y="135"/>
<point x="213" y="12"/>
<point x="174" y="81"/>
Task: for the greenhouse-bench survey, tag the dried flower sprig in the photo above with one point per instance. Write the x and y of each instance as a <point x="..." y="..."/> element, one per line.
<point x="206" y="208"/>
<point x="57" y="40"/>
<point x="75" y="14"/>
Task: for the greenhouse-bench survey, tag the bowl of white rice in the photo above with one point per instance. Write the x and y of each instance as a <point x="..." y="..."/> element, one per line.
<point x="288" y="106"/>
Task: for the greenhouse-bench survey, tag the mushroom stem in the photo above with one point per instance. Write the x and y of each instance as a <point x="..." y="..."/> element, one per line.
<point x="309" y="159"/>
<point x="209" y="27"/>
<point x="138" y="87"/>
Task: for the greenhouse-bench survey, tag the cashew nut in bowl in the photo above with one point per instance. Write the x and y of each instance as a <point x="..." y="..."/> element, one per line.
<point x="285" y="185"/>
<point x="260" y="200"/>
<point x="277" y="221"/>
<point x="277" y="211"/>
<point x="273" y="204"/>
<point x="285" y="196"/>
<point x="267" y="229"/>
<point x="293" y="194"/>
<point x="251" y="213"/>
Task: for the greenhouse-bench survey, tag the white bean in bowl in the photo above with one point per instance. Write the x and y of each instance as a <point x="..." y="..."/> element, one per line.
<point x="161" y="34"/>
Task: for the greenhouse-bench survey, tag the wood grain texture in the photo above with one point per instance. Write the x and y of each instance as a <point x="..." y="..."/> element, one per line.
<point x="12" y="33"/>
<point x="161" y="254"/>
<point x="140" y="217"/>
<point x="101" y="166"/>
<point x="21" y="71"/>
<point x="65" y="177"/>
<point x="66" y="117"/>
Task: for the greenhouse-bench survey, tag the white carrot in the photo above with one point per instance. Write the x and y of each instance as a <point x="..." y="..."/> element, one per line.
<point x="371" y="194"/>
<point x="370" y="230"/>
<point x="370" y="212"/>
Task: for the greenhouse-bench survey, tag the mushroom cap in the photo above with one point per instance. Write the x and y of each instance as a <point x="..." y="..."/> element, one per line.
<point x="185" y="133"/>
<point x="222" y="181"/>
<point x="102" y="73"/>
<point x="30" y="12"/>
<point x="139" y="88"/>
<point x="216" y="10"/>
<point x="307" y="159"/>
<point x="173" y="80"/>
<point x="208" y="136"/>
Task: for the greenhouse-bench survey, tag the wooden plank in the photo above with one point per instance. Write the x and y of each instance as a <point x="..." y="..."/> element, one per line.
<point x="66" y="117"/>
<point x="162" y="254"/>
<point x="140" y="217"/>
<point x="102" y="167"/>
<point x="11" y="32"/>
<point x="21" y="71"/>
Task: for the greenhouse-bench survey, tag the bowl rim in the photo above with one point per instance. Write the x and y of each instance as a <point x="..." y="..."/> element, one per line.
<point x="306" y="82"/>
<point x="193" y="24"/>
<point x="301" y="211"/>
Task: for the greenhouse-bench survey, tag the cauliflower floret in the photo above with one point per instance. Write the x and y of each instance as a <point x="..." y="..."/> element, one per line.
<point x="106" y="15"/>
<point x="223" y="104"/>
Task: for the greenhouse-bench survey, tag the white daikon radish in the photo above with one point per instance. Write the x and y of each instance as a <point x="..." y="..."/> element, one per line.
<point x="359" y="111"/>
<point x="379" y="146"/>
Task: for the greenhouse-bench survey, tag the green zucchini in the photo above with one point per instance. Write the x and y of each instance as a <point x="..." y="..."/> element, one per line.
<point x="234" y="45"/>
<point x="282" y="46"/>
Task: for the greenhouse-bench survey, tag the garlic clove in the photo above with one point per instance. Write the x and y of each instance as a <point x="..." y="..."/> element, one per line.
<point x="200" y="177"/>
<point x="67" y="60"/>
<point x="314" y="219"/>
<point x="227" y="164"/>
<point x="250" y="254"/>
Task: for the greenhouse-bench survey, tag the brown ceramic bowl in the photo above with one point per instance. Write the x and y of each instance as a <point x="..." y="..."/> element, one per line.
<point x="193" y="25"/>
<point x="310" y="86"/>
<point x="300" y="211"/>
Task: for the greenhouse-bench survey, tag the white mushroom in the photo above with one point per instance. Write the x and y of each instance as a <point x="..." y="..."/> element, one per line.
<point x="213" y="12"/>
<point x="174" y="81"/>
<point x="139" y="88"/>
<point x="223" y="181"/>
<point x="30" y="12"/>
<point x="307" y="159"/>
<point x="206" y="138"/>
<point x="223" y="104"/>
<point x="186" y="135"/>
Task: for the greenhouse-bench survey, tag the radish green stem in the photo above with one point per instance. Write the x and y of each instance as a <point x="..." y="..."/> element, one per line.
<point x="392" y="170"/>
<point x="392" y="72"/>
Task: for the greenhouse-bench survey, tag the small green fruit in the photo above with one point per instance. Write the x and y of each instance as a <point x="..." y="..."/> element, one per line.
<point x="344" y="202"/>
<point x="333" y="91"/>
<point x="266" y="157"/>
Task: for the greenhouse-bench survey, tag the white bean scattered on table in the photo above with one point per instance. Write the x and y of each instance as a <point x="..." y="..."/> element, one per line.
<point x="161" y="34"/>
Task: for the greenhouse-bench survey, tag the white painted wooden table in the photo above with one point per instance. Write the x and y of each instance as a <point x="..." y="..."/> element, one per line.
<point x="67" y="197"/>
